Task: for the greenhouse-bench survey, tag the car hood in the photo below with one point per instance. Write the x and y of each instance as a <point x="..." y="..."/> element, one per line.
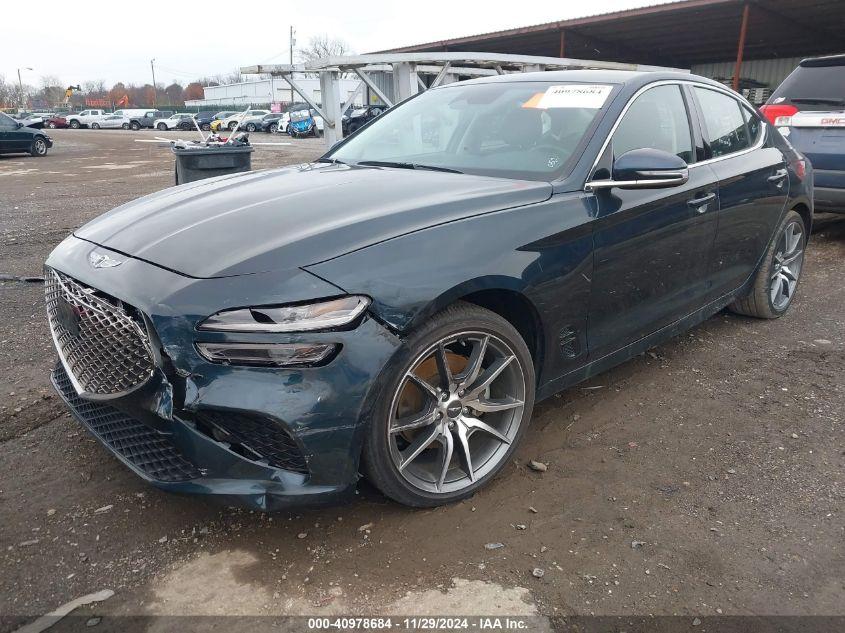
<point x="295" y="216"/>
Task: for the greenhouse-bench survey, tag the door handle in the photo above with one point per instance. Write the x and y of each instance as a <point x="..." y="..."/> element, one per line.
<point x="778" y="178"/>
<point x="701" y="204"/>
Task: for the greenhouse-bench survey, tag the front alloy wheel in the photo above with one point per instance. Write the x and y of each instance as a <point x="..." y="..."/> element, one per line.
<point x="456" y="409"/>
<point x="39" y="147"/>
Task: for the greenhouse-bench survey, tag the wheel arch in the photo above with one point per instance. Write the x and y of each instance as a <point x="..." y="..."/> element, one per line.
<point x="504" y="296"/>
<point x="803" y="209"/>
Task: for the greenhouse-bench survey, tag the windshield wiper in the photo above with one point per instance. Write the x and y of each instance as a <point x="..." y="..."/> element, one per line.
<point x="333" y="161"/>
<point x="401" y="165"/>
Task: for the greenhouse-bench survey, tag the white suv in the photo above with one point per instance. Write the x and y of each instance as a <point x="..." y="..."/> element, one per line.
<point x="229" y="123"/>
<point x="178" y="120"/>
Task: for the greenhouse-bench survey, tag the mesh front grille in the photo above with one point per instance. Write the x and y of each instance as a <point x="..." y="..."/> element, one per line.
<point x="262" y="439"/>
<point x="105" y="349"/>
<point x="148" y="451"/>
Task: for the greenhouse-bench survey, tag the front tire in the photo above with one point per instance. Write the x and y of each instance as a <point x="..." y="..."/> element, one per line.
<point x="39" y="147"/>
<point x="451" y="408"/>
<point x="95" y="126"/>
<point x="250" y="127"/>
<point x="273" y="128"/>
<point x="51" y="125"/>
<point x="776" y="280"/>
<point x="134" y="126"/>
<point x="74" y="125"/>
<point x="161" y="127"/>
<point x="233" y="125"/>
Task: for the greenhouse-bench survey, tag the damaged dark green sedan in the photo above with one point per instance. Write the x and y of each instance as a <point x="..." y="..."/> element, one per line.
<point x="396" y="308"/>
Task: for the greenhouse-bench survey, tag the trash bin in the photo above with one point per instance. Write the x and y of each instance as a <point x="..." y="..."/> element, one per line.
<point x="207" y="161"/>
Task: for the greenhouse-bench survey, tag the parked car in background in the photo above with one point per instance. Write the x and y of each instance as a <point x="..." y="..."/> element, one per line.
<point x="17" y="138"/>
<point x="252" y="116"/>
<point x="395" y="308"/>
<point x="283" y="123"/>
<point x="188" y="123"/>
<point x="56" y="121"/>
<point x="204" y="119"/>
<point x="217" y="121"/>
<point x="85" y="118"/>
<point x="146" y="119"/>
<point x="270" y="122"/>
<point x="359" y="117"/>
<point x="809" y="110"/>
<point x="35" y="120"/>
<point x="113" y="121"/>
<point x="175" y="121"/>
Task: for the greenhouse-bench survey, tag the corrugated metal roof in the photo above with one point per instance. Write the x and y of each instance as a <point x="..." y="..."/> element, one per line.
<point x="557" y="24"/>
<point x="681" y="33"/>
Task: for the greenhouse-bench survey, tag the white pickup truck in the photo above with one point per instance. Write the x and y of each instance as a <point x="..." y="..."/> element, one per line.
<point x="86" y="118"/>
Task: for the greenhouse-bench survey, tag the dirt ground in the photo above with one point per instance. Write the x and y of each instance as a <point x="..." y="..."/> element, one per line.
<point x="704" y="477"/>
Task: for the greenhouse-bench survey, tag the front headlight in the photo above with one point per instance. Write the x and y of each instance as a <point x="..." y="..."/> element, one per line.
<point x="301" y="318"/>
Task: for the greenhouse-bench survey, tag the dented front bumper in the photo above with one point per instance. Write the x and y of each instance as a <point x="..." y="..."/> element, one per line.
<point x="265" y="437"/>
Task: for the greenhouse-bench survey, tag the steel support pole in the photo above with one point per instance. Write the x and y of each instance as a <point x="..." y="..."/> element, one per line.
<point x="404" y="81"/>
<point x="330" y="94"/>
<point x="743" y="29"/>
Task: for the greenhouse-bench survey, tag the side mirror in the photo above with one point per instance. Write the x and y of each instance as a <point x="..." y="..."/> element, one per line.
<point x="645" y="168"/>
<point x="20" y="125"/>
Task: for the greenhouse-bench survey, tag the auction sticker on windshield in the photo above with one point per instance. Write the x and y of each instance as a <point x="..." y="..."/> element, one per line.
<point x="570" y="96"/>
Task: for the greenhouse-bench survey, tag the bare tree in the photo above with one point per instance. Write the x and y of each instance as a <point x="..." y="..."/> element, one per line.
<point x="95" y="88"/>
<point x="321" y="46"/>
<point x="7" y="93"/>
<point x="52" y="91"/>
<point x="174" y="94"/>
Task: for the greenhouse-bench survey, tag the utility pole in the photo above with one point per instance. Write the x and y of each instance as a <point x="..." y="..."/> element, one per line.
<point x="153" y="68"/>
<point x="20" y="88"/>
<point x="292" y="42"/>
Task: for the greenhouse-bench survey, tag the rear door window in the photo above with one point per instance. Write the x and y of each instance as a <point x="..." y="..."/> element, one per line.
<point x="725" y="131"/>
<point x="657" y="119"/>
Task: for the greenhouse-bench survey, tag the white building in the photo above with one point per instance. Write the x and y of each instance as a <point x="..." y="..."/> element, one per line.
<point x="266" y="91"/>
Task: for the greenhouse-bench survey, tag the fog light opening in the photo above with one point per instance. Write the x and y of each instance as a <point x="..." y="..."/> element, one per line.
<point x="268" y="354"/>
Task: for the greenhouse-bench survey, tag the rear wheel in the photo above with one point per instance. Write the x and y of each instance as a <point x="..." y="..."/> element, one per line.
<point x="452" y="407"/>
<point x="777" y="278"/>
<point x="205" y="127"/>
<point x="273" y="128"/>
<point x="233" y="125"/>
<point x="250" y="127"/>
<point x="125" y="126"/>
<point x="39" y="147"/>
<point x="52" y="125"/>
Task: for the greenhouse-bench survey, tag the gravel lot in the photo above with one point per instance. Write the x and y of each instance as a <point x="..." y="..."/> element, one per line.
<point x="704" y="477"/>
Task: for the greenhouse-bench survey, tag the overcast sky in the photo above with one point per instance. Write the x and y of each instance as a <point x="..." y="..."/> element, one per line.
<point x="114" y="41"/>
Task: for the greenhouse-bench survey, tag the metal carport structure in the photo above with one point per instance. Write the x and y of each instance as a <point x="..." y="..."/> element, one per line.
<point x="412" y="72"/>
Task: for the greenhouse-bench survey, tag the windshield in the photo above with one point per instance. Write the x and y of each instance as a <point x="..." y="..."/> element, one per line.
<point x="528" y="130"/>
